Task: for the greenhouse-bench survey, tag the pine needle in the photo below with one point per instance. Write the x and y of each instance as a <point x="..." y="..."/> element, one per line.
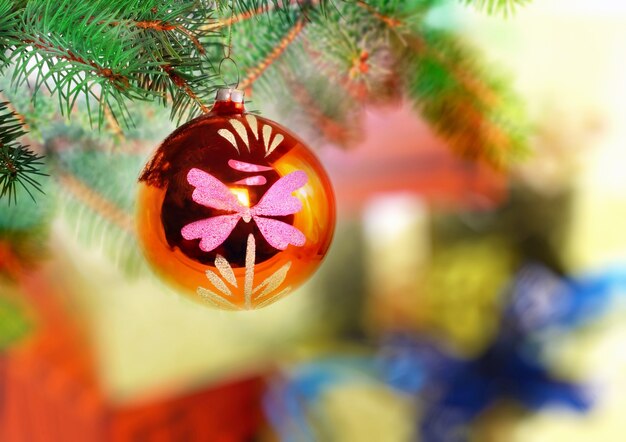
<point x="19" y="166"/>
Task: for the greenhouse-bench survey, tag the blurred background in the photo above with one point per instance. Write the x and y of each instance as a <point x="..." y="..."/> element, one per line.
<point x="458" y="302"/>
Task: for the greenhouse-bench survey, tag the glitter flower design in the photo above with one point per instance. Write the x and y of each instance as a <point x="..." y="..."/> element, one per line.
<point x="277" y="201"/>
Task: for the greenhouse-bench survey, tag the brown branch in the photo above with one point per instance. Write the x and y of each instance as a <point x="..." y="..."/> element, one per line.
<point x="331" y="130"/>
<point x="7" y="161"/>
<point x="97" y="203"/>
<point x="389" y="21"/>
<point x="193" y="39"/>
<point x="418" y="44"/>
<point x="113" y="124"/>
<point x="356" y="91"/>
<point x="116" y="79"/>
<point x="465" y="78"/>
<point x="258" y="70"/>
<point x="159" y="25"/>
<point x="21" y="118"/>
<point x="182" y="84"/>
<point x="246" y="15"/>
<point x="475" y="134"/>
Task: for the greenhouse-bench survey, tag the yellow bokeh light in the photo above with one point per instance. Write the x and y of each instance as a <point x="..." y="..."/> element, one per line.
<point x="242" y="195"/>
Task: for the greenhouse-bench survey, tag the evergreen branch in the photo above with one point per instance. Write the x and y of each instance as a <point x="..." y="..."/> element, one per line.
<point x="331" y="130"/>
<point x="98" y="201"/>
<point x="387" y="20"/>
<point x="182" y="84"/>
<point x="356" y="91"/>
<point x="8" y="24"/>
<point x="18" y="164"/>
<point x="193" y="90"/>
<point x="477" y="116"/>
<point x="104" y="208"/>
<point x="163" y="26"/>
<point x="83" y="53"/>
<point x="255" y="72"/>
<point x="504" y="7"/>
<point x="470" y="108"/>
<point x="349" y="46"/>
<point x="108" y="52"/>
<point x="312" y="94"/>
<point x="283" y="8"/>
<point x="242" y="16"/>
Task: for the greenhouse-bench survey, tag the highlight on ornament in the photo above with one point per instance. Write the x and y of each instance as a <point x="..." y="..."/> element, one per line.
<point x="233" y="210"/>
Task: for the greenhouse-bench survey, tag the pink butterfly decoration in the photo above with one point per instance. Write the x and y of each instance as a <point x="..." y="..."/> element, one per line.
<point x="277" y="201"/>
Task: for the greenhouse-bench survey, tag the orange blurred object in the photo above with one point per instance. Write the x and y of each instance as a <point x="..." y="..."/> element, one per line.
<point x="50" y="390"/>
<point x="233" y="209"/>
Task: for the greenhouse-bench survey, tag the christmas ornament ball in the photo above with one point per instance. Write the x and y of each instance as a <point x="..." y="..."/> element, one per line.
<point x="234" y="210"/>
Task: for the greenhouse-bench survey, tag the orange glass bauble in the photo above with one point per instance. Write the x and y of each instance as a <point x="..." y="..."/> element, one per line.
<point x="233" y="209"/>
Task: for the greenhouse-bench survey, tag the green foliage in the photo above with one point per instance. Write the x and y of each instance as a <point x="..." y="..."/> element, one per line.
<point x="106" y="53"/>
<point x="97" y="199"/>
<point x="467" y="104"/>
<point x="8" y="25"/>
<point x="319" y="63"/>
<point x="109" y="51"/>
<point x="24" y="227"/>
<point x="13" y="322"/>
<point x="19" y="166"/>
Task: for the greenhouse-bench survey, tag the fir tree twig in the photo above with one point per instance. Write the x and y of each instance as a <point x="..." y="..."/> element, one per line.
<point x="18" y="164"/>
<point x="255" y="72"/>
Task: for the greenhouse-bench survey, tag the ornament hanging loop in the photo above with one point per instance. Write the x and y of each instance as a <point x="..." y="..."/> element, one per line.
<point x="234" y="85"/>
<point x="228" y="49"/>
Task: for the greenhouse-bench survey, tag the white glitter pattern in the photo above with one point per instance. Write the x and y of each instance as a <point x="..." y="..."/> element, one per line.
<point x="215" y="299"/>
<point x="218" y="283"/>
<point x="225" y="270"/>
<point x="249" y="278"/>
<point x="267" y="133"/>
<point x="241" y="130"/>
<point x="274" y="298"/>
<point x="275" y="143"/>
<point x="272" y="282"/>
<point x="228" y="135"/>
<point x="253" y="125"/>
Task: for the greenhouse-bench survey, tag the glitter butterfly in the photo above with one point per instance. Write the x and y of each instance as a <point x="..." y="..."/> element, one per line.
<point x="277" y="201"/>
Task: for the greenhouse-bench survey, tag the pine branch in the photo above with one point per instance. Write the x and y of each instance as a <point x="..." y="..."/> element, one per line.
<point x="8" y="24"/>
<point x="336" y="132"/>
<point x="19" y="166"/>
<point x="357" y="91"/>
<point x="283" y="9"/>
<point x="350" y="46"/>
<point x="386" y="19"/>
<point x="242" y="16"/>
<point x="109" y="53"/>
<point x="471" y="108"/>
<point x="98" y="200"/>
<point x="255" y="72"/>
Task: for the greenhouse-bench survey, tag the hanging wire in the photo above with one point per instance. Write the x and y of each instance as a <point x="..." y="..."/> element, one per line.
<point x="228" y="49"/>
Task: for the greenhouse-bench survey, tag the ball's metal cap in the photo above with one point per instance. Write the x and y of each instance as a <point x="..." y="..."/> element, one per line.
<point x="229" y="94"/>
